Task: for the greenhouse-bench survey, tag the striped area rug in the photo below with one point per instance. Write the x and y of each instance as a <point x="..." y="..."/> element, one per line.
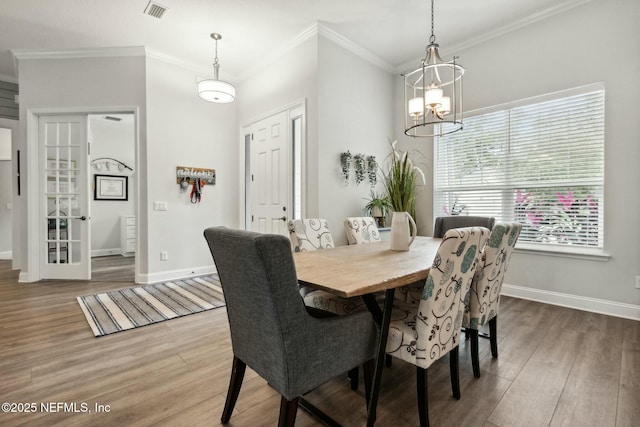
<point x="130" y="308"/>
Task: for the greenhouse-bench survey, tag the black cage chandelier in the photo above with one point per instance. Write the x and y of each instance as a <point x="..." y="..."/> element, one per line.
<point x="433" y="94"/>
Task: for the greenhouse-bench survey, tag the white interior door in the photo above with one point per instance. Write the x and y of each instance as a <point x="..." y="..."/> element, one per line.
<point x="65" y="250"/>
<point x="271" y="171"/>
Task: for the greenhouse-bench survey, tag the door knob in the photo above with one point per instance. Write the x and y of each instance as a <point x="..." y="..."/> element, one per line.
<point x="284" y="218"/>
<point x="82" y="218"/>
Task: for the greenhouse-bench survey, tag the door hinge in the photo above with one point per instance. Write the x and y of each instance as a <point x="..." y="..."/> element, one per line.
<point x="251" y="218"/>
<point x="251" y="177"/>
<point x="88" y="149"/>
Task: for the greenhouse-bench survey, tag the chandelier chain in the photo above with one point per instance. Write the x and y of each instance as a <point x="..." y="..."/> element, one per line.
<point x="432" y="39"/>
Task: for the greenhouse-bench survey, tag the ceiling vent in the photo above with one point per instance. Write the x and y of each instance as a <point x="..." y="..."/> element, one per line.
<point x="154" y="9"/>
<point x="112" y="118"/>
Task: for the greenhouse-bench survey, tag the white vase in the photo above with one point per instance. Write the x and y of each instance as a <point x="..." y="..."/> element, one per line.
<point x="401" y="237"/>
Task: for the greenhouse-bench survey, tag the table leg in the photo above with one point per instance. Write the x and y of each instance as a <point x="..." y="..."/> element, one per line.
<point x="382" y="346"/>
<point x="373" y="307"/>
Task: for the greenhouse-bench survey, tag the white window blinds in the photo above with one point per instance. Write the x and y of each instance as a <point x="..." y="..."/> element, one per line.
<point x="539" y="163"/>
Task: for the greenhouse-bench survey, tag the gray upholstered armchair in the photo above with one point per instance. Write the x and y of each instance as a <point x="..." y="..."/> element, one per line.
<point x="271" y="331"/>
<point x="446" y="223"/>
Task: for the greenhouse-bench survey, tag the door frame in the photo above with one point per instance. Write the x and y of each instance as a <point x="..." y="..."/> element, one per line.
<point x="33" y="252"/>
<point x="294" y="110"/>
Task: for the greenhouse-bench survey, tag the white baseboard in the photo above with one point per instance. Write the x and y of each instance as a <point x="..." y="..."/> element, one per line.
<point x="594" y="305"/>
<point x="105" y="252"/>
<point x="6" y="255"/>
<point x="174" y="274"/>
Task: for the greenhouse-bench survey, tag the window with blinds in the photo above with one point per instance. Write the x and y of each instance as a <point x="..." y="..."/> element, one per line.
<point x="539" y="162"/>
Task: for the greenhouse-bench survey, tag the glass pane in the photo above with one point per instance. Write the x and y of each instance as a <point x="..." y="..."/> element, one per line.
<point x="75" y="254"/>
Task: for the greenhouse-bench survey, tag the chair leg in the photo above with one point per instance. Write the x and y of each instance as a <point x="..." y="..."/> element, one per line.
<point x="353" y="376"/>
<point x="493" y="336"/>
<point x="237" y="375"/>
<point x="288" y="410"/>
<point x="454" y="367"/>
<point x="423" y="396"/>
<point x="367" y="372"/>
<point x="388" y="359"/>
<point x="475" y="362"/>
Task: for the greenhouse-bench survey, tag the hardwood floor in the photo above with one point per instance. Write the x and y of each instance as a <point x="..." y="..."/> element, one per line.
<point x="557" y="367"/>
<point x="113" y="268"/>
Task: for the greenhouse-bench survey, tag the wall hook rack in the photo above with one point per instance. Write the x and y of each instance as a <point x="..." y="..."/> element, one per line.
<point x="189" y="174"/>
<point x="108" y="163"/>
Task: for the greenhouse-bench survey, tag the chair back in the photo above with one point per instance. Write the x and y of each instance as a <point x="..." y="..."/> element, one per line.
<point x="439" y="316"/>
<point x="265" y="311"/>
<point x="446" y="223"/>
<point x="310" y="234"/>
<point x="484" y="297"/>
<point x="361" y="229"/>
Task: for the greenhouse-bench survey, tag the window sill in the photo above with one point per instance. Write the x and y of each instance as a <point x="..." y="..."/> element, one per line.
<point x="562" y="251"/>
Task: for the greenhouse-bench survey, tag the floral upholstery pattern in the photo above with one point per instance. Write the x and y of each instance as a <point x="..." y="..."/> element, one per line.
<point x="310" y="235"/>
<point x="361" y="229"/>
<point x="423" y="334"/>
<point x="484" y="297"/>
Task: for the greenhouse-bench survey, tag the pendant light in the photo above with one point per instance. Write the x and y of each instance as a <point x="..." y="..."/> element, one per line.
<point x="433" y="94"/>
<point x="215" y="90"/>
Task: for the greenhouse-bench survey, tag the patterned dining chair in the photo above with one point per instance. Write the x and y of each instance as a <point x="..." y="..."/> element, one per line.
<point x="310" y="234"/>
<point x="421" y="335"/>
<point x="411" y="294"/>
<point x="361" y="229"/>
<point x="271" y="332"/>
<point x="484" y="297"/>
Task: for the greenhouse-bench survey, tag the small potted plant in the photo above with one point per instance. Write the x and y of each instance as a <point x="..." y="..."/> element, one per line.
<point x="379" y="207"/>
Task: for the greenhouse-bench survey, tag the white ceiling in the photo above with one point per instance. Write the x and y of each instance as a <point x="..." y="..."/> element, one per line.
<point x="396" y="31"/>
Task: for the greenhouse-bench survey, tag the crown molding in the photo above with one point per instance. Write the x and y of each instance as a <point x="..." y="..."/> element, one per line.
<point x="354" y="48"/>
<point x="105" y="52"/>
<point x="202" y="73"/>
<point x="500" y="31"/>
<point x="279" y="52"/>
<point x="319" y="29"/>
<point x="100" y="52"/>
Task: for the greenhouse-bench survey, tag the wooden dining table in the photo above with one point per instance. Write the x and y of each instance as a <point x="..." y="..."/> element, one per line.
<point x="362" y="270"/>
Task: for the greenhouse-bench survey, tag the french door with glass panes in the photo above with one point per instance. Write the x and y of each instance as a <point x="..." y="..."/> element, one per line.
<point x="64" y="203"/>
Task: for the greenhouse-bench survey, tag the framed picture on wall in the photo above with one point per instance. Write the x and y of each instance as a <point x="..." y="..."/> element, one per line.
<point x="111" y="187"/>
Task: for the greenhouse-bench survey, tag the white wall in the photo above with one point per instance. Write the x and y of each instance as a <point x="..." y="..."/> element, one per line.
<point x="594" y="42"/>
<point x="185" y="130"/>
<point x="7" y="189"/>
<point x="343" y="113"/>
<point x="72" y="85"/>
<point x="286" y="80"/>
<point x="355" y="113"/>
<point x="116" y="140"/>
